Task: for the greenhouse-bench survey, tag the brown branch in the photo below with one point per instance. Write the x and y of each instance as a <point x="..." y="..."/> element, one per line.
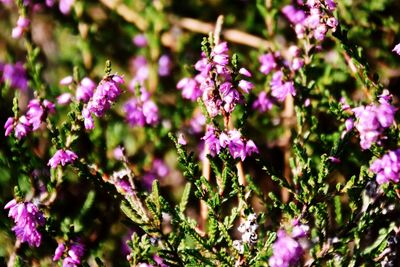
<point x="190" y="24"/>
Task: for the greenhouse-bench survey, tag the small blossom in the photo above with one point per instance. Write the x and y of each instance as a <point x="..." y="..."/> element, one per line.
<point x="245" y="72"/>
<point x="287" y="251"/>
<point x="16" y="76"/>
<point x="65" y="6"/>
<point x="181" y="139"/>
<point x="64" y="99"/>
<point x="21" y="28"/>
<point x="141" y="110"/>
<point x="397" y="49"/>
<point x="263" y="102"/>
<point x="75" y="254"/>
<point x="164" y="65"/>
<point x="85" y="90"/>
<point x="9" y="126"/>
<point x="59" y="251"/>
<point x="212" y="141"/>
<point x="268" y="63"/>
<point x="62" y="157"/>
<point x="387" y="168"/>
<point x="67" y="80"/>
<point x="105" y="95"/>
<point x="27" y="218"/>
<point x="246" y="86"/>
<point x="118" y="153"/>
<point x="372" y="120"/>
<point x="280" y="88"/>
<point x="140" y="40"/>
<point x="190" y="88"/>
<point x="22" y="128"/>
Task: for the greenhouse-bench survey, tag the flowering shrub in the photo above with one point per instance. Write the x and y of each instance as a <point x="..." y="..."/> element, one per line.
<point x="134" y="135"/>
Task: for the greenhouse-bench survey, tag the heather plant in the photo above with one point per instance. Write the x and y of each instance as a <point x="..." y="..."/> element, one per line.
<point x="199" y="133"/>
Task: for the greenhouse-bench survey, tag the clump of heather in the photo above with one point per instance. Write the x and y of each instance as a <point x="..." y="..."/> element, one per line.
<point x="27" y="218"/>
<point x="269" y="138"/>
<point x="104" y="96"/>
<point x="372" y="120"/>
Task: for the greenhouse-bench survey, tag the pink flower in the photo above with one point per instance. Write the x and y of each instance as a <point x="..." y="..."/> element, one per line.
<point x="140" y="40"/>
<point x="21" y="28"/>
<point x="268" y="63"/>
<point x="85" y="90"/>
<point x="263" y="102"/>
<point x="64" y="99"/>
<point x="280" y="88"/>
<point x="62" y="157"/>
<point x="397" y="49"/>
<point x="27" y="218"/>
<point x="65" y="6"/>
<point x="67" y="80"/>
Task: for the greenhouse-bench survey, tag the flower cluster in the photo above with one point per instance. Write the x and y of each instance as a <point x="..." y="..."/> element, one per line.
<point x="36" y="114"/>
<point x="387" y="168"/>
<point x="105" y="95"/>
<point x="141" y="110"/>
<point x="313" y="19"/>
<point x="21" y="28"/>
<point x="84" y="90"/>
<point x="372" y="120"/>
<point x="281" y="84"/>
<point x="62" y="157"/>
<point x="249" y="235"/>
<point x="73" y="256"/>
<point x="220" y="95"/>
<point x="15" y="75"/>
<point x="287" y="249"/>
<point x="233" y="140"/>
<point x="27" y="218"/>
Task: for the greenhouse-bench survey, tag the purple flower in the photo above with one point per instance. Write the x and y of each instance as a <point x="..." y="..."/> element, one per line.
<point x="397" y="49"/>
<point x="21" y="28"/>
<point x="22" y="128"/>
<point x="140" y="40"/>
<point x="246" y="86"/>
<point x="387" y="168"/>
<point x="9" y="126"/>
<point x="295" y="16"/>
<point x="59" y="251"/>
<point x="64" y="99"/>
<point x="62" y="157"/>
<point x="212" y="141"/>
<point x="140" y="72"/>
<point x="245" y="72"/>
<point x="75" y="254"/>
<point x="37" y="112"/>
<point x="190" y="88"/>
<point x="372" y="120"/>
<point x="27" y="218"/>
<point x="85" y="90"/>
<point x="65" y="6"/>
<point x="197" y="123"/>
<point x="67" y="80"/>
<point x="287" y="251"/>
<point x="237" y="146"/>
<point x="141" y="110"/>
<point x="164" y="65"/>
<point x="16" y="76"/>
<point x="268" y="63"/>
<point x="279" y="88"/>
<point x="181" y="139"/>
<point x="118" y="153"/>
<point x="105" y="95"/>
<point x="263" y="102"/>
